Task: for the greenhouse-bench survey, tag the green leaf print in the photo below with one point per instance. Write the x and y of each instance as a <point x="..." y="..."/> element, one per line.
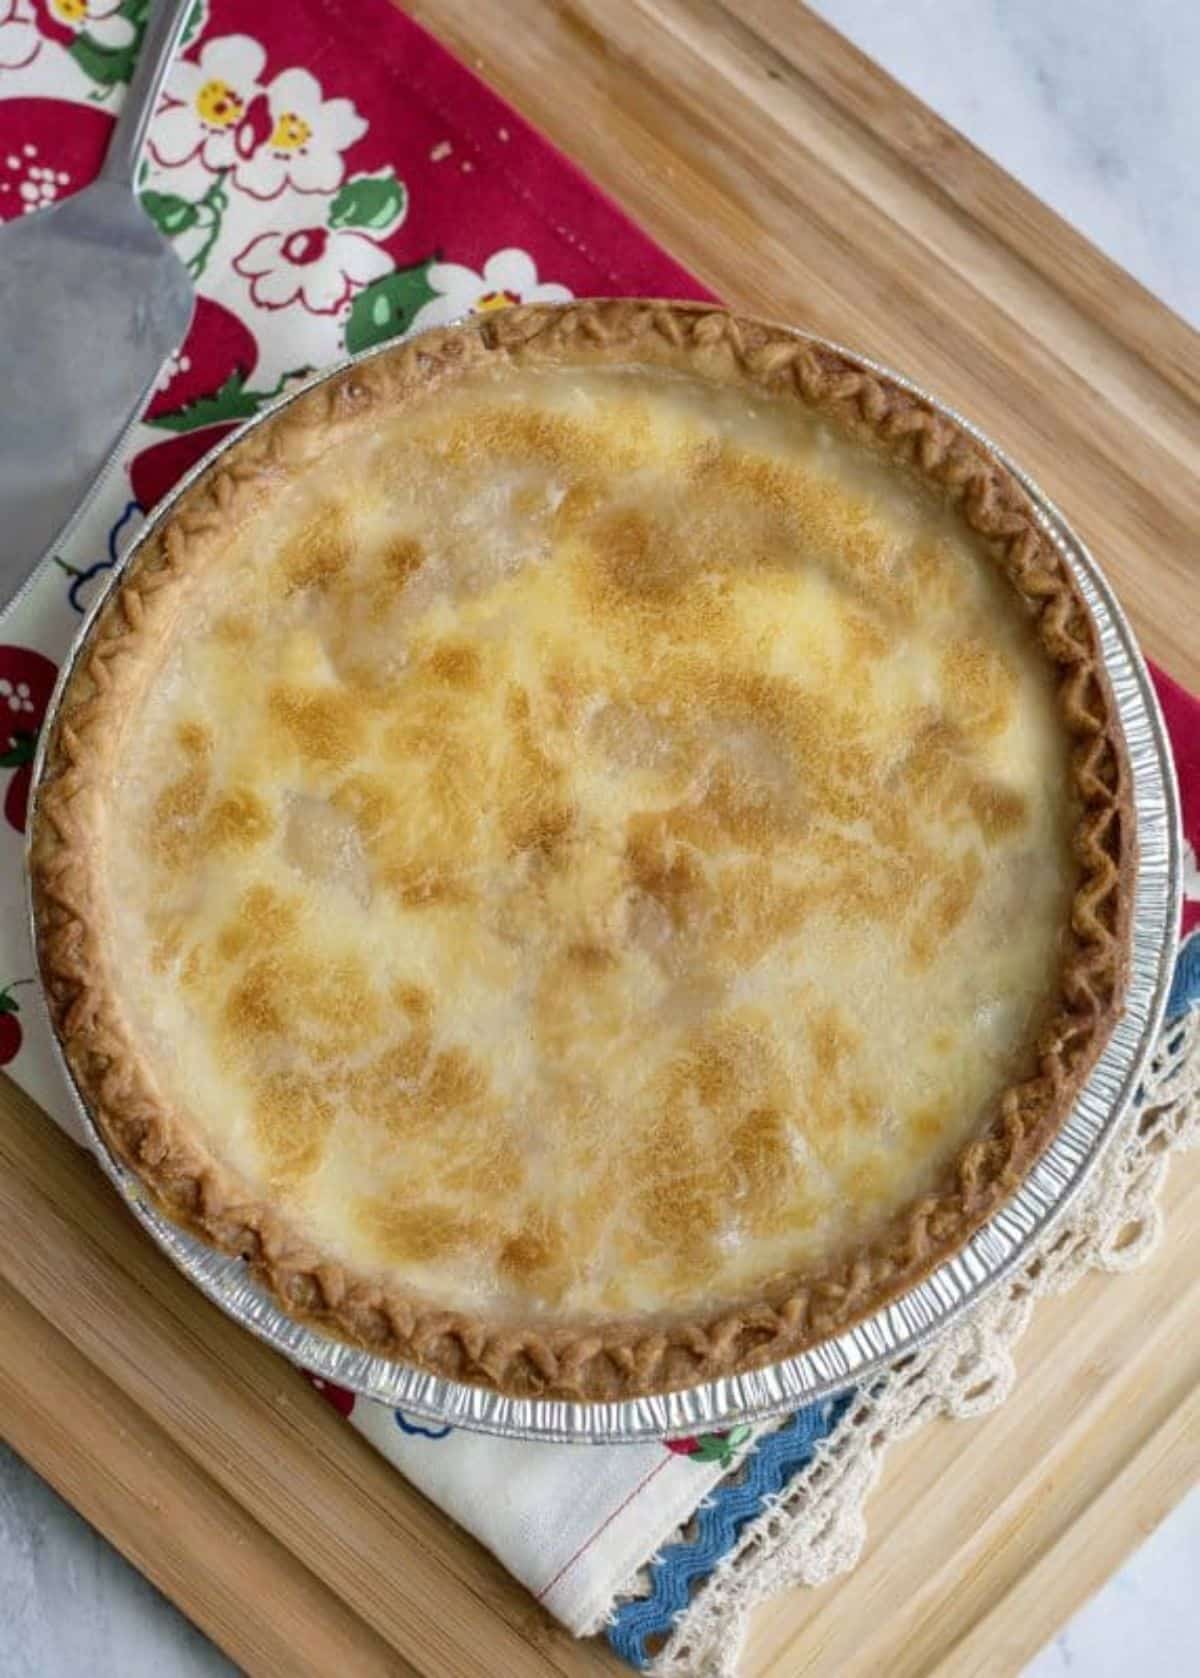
<point x="387" y="308"/>
<point x="169" y="213"/>
<point x="376" y="202"/>
<point x="174" y="216"/>
<point x="110" y="65"/>
<point x="720" y="1447"/>
<point x="197" y="18"/>
<point x="233" y="401"/>
<point x="19" y="751"/>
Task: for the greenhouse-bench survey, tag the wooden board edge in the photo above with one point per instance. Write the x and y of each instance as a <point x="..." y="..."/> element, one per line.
<point x="955" y="169"/>
<point x="1050" y="1593"/>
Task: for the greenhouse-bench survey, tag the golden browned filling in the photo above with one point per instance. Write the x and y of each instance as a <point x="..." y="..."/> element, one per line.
<point x="599" y="843"/>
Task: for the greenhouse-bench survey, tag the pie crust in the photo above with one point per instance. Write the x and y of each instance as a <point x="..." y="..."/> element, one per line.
<point x="572" y="1344"/>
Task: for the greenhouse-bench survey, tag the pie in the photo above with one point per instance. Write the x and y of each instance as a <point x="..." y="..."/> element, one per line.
<point x="593" y="848"/>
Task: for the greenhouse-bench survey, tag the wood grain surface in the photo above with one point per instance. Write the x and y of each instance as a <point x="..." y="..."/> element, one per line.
<point x="798" y="180"/>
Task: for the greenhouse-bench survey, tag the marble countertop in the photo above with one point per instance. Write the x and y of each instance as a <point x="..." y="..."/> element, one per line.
<point x="1091" y="103"/>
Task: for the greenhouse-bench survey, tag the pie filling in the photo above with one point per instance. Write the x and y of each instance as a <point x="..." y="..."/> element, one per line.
<point x="597" y="843"/>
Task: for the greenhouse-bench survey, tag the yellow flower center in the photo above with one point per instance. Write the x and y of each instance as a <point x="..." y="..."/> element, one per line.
<point x="290" y="132"/>
<point x="219" y="105"/>
<point x="495" y="300"/>
<point x="73" y="12"/>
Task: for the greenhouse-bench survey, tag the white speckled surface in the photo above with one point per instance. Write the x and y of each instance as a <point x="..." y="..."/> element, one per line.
<point x="1093" y="104"/>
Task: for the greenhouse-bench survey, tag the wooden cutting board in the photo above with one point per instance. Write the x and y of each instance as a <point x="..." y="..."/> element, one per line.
<point x="796" y="179"/>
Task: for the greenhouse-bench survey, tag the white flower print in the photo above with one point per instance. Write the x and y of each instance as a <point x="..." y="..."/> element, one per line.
<point x="36" y="37"/>
<point x="291" y="136"/>
<point x="205" y="103"/>
<point x="508" y="277"/>
<point x="20" y="41"/>
<point x="61" y="20"/>
<point x="218" y="116"/>
<point x="317" y="267"/>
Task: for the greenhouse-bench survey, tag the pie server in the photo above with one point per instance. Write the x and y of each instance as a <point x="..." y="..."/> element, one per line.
<point x="92" y="301"/>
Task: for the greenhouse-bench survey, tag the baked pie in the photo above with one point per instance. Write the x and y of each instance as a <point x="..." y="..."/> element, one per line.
<point x="593" y="848"/>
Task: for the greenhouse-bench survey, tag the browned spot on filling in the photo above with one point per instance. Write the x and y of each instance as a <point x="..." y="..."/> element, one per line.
<point x="412" y="999"/>
<point x="368" y="801"/>
<point x="234" y="630"/>
<point x="455" y="1080"/>
<point x="755" y="908"/>
<point x="402" y="559"/>
<point x="999" y="810"/>
<point x="538" y="1257"/>
<point x="264" y="919"/>
<point x="665" y="869"/>
<point x="637" y="558"/>
<point x="578" y="506"/>
<point x="324" y="1008"/>
<point x="953" y="893"/>
<point x="980" y="686"/>
<point x="870" y="1182"/>
<point x="291" y="1121"/>
<point x="729" y="1083"/>
<point x="558" y="442"/>
<point x="937" y="572"/>
<point x="833" y="1040"/>
<point x="319" y="552"/>
<point x="760" y="1157"/>
<point x="591" y="958"/>
<point x="457" y="664"/>
<point x="929" y="1123"/>
<point x="429" y="885"/>
<point x="413" y="1090"/>
<point x="865" y="641"/>
<point x="808" y="519"/>
<point x="256" y="1005"/>
<point x="414" y="1232"/>
<point x="320" y="723"/>
<point x="195" y="738"/>
<point x="488" y="1173"/>
<point x="535" y="814"/>
<point x="176" y="817"/>
<point x="238" y="820"/>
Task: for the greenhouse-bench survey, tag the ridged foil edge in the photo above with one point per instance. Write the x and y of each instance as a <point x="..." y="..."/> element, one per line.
<point x="863" y="1351"/>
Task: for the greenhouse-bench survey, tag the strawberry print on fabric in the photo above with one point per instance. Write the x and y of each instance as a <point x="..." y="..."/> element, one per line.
<point x="26" y="682"/>
<point x="341" y="1398"/>
<point x="711" y="1447"/>
<point x="49" y="148"/>
<point x="11" y="1035"/>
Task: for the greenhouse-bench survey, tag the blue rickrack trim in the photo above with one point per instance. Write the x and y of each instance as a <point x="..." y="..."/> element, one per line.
<point x="1185" y="988"/>
<point x="719" y="1521"/>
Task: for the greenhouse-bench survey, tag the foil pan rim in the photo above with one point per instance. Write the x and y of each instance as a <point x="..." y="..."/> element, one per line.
<point x="865" y="1350"/>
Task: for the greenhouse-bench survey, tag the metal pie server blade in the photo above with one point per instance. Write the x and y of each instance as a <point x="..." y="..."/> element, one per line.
<point x="92" y="301"/>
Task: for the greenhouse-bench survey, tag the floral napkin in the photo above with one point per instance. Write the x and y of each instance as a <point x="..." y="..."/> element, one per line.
<point x="333" y="178"/>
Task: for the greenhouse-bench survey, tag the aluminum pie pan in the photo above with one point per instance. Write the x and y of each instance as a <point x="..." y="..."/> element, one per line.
<point x="865" y="1350"/>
